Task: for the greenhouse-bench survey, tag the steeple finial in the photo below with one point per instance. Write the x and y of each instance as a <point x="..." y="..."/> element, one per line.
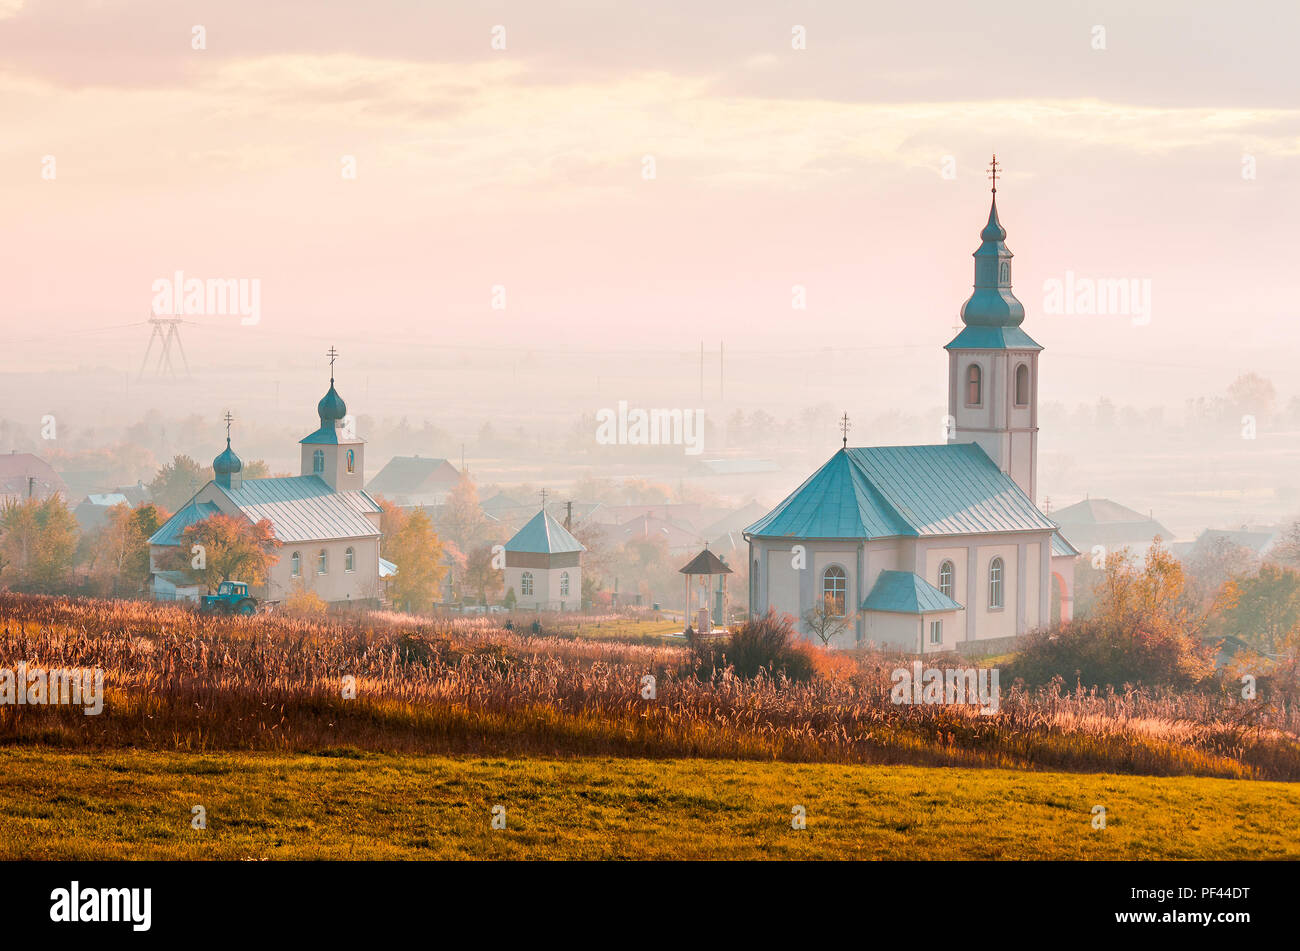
<point x="229" y="420"/>
<point x="845" y="426"/>
<point x="332" y="354"/>
<point x="994" y="168"/>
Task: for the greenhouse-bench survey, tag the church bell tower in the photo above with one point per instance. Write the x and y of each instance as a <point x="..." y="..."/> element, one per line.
<point x="993" y="364"/>
<point x="334" y="452"/>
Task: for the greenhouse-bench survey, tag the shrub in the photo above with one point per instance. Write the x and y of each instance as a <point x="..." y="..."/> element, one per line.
<point x="305" y="603"/>
<point x="766" y="643"/>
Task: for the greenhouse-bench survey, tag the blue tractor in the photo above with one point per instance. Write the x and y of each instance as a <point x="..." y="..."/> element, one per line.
<point x="232" y="597"/>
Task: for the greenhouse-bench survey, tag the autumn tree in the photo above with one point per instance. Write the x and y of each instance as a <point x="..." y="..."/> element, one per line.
<point x="481" y="577"/>
<point x="1264" y="608"/>
<point x="825" y="622"/>
<point x="177" y="481"/>
<point x="38" y="538"/>
<point x="418" y="554"/>
<point x="119" y="552"/>
<point x="462" y="519"/>
<point x="229" y="548"/>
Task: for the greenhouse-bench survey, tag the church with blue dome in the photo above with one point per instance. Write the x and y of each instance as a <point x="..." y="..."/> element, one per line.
<point x="931" y="548"/>
<point x="326" y="523"/>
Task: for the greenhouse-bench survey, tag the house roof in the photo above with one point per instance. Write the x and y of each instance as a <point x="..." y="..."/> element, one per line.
<point x="705" y="563"/>
<point x="544" y="535"/>
<point x="16" y="467"/>
<point x="411" y="474"/>
<point x="386" y="568"/>
<point x="1257" y="540"/>
<point x="890" y="491"/>
<point x="1061" y="546"/>
<point x="902" y="592"/>
<point x="300" y="509"/>
<point x="169" y="533"/>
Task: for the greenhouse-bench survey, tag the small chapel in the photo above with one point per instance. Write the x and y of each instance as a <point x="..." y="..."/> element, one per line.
<point x="326" y="523"/>
<point x="929" y="548"/>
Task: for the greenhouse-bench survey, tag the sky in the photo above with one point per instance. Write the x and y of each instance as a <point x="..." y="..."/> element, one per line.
<point x="1151" y="141"/>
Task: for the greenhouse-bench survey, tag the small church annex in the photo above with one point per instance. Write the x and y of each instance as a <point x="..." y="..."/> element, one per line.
<point x="929" y="548"/>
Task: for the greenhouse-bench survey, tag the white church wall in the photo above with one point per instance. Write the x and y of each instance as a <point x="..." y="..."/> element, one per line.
<point x="1033" y="558"/>
<point x="782" y="582"/>
<point x="337" y="584"/>
<point x="897" y="631"/>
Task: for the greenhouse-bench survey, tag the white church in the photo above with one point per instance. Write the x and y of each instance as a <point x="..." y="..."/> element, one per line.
<point x="326" y="523"/>
<point x="930" y="548"/>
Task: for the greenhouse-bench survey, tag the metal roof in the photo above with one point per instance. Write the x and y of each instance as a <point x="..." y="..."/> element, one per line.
<point x="413" y="474"/>
<point x="386" y="568"/>
<point x="305" y="508"/>
<point x="889" y="491"/>
<point x="902" y="592"/>
<point x="169" y="533"/>
<point x="993" y="338"/>
<point x="1062" y="546"/>
<point x="705" y="563"/>
<point x="544" y="535"/>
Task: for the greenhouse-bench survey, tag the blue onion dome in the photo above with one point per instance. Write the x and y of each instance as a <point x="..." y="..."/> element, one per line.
<point x="993" y="231"/>
<point x="992" y="304"/>
<point x="227" y="463"/>
<point x="331" y="406"/>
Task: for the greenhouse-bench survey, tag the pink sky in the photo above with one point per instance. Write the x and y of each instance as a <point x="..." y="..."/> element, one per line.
<point x="775" y="166"/>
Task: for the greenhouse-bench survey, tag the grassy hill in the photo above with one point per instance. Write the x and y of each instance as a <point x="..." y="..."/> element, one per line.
<point x="138" y="804"/>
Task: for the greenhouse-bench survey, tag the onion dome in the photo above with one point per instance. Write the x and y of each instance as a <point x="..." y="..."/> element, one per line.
<point x="227" y="463"/>
<point x="992" y="304"/>
<point x="331" y="407"/>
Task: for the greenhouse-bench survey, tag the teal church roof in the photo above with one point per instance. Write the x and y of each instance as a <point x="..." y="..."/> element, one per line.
<point x="902" y="592"/>
<point x="1062" y="546"/>
<point x="892" y="491"/>
<point x="545" y="536"/>
<point x="169" y="533"/>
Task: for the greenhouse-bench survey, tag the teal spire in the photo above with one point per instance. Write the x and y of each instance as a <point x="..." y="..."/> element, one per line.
<point x="992" y="304"/>
<point x="227" y="466"/>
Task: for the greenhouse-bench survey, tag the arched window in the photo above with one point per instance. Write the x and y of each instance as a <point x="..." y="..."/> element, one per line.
<point x="1004" y="272"/>
<point x="318" y="461"/>
<point x="526" y="582"/>
<point x="564" y="584"/>
<point x="974" y="394"/>
<point x="352" y="461"/>
<point x="995" y="583"/>
<point x="834" y="589"/>
<point x="295" y="564"/>
<point x="322" y="562"/>
<point x="350" y="560"/>
<point x="945" y="578"/>
<point x="1022" y="385"/>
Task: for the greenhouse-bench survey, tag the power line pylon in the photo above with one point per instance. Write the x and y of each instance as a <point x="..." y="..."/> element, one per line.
<point x="165" y="338"/>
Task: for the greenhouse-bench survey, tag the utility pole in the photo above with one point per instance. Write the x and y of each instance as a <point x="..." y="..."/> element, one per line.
<point x="568" y="517"/>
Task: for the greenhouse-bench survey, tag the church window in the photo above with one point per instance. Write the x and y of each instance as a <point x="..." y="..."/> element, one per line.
<point x="1004" y="272"/>
<point x="318" y="461"/>
<point x="526" y="582"/>
<point x="352" y="461"/>
<point x="564" y="584"/>
<point x="974" y="378"/>
<point x="834" y="589"/>
<point x="322" y="562"/>
<point x="295" y="563"/>
<point x="945" y="578"/>
<point x="995" y="583"/>
<point x="350" y="560"/>
<point x="1022" y="385"/>
<point x="936" y="632"/>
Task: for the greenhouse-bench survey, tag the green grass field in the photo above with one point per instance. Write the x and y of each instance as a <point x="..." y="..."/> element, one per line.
<point x="138" y="804"/>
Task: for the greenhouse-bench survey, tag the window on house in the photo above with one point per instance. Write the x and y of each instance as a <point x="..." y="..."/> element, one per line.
<point x="564" y="584"/>
<point x="974" y="378"/>
<point x="322" y="562"/>
<point x="835" y="584"/>
<point x="995" y="583"/>
<point x="936" y="632"/>
<point x="1022" y="385"/>
<point x="352" y="461"/>
<point x="350" y="560"/>
<point x="295" y="564"/>
<point x="946" y="578"/>
<point x="526" y="582"/>
<point x="318" y="461"/>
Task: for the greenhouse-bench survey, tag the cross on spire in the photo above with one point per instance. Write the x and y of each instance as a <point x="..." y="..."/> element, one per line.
<point x="543" y="500"/>
<point x="229" y="420"/>
<point x="994" y="168"/>
<point x="332" y="354"/>
<point x="845" y="426"/>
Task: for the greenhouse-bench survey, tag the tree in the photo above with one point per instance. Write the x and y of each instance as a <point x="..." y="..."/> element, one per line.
<point x="481" y="577"/>
<point x="177" y="481"/>
<point x="231" y="548"/>
<point x="118" y="559"/>
<point x="823" y="621"/>
<point x="1216" y="560"/>
<point x="462" y="518"/>
<point x="1262" y="609"/>
<point x="1252" y="393"/>
<point x="38" y="538"/>
<point x="418" y="554"/>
